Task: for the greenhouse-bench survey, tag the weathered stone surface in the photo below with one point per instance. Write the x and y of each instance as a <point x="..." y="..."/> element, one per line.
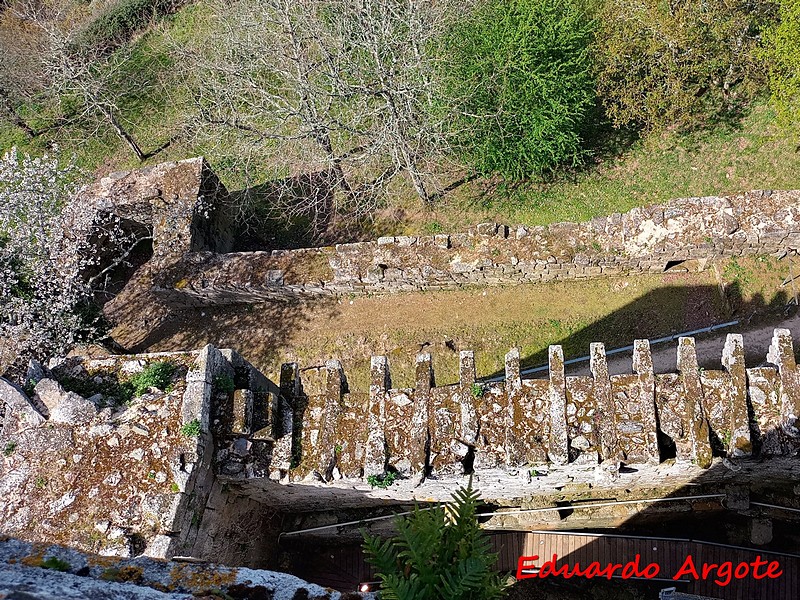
<point x="180" y="201"/>
<point x="760" y="531"/>
<point x="49" y="392"/>
<point x="64" y="407"/>
<point x="421" y="421"/>
<point x="36" y="372"/>
<point x="156" y="476"/>
<point x="242" y="410"/>
<point x="781" y="354"/>
<point x="334" y="388"/>
<point x="469" y="415"/>
<point x="580" y="443"/>
<point x="644" y="240"/>
<point x="697" y="422"/>
<point x="643" y="366"/>
<point x="558" y="440"/>
<point x="739" y="443"/>
<point x="375" y="457"/>
<point x="606" y="410"/>
<point x="560" y="419"/>
<point x="89" y="577"/>
<point x="20" y="410"/>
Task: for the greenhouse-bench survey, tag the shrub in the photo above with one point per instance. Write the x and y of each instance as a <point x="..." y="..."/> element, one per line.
<point x="155" y="375"/>
<point x="9" y="448"/>
<point x="39" y="313"/>
<point x="55" y="564"/>
<point x="224" y="383"/>
<point x="519" y="79"/>
<point x="191" y="429"/>
<point x="122" y="19"/>
<point x="782" y="53"/>
<point x="437" y="553"/>
<point x="382" y="481"/>
<point x="685" y="63"/>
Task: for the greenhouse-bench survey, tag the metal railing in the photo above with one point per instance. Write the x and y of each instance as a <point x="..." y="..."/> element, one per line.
<point x="660" y="340"/>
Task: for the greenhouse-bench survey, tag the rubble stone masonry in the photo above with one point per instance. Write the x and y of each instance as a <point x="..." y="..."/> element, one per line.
<point x="681" y="233"/>
<point x="197" y="469"/>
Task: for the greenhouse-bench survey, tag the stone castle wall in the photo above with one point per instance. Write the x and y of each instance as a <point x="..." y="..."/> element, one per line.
<point x="644" y="240"/>
<point x="187" y="210"/>
<point x="127" y="479"/>
<point x="590" y="420"/>
<point x="123" y="479"/>
<point x="182" y="203"/>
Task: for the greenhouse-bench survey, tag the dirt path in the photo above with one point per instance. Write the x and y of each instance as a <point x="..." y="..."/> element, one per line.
<point x="757" y="339"/>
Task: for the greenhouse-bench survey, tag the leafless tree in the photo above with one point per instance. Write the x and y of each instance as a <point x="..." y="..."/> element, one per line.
<point x="342" y="93"/>
<point x="73" y="72"/>
<point x="21" y="72"/>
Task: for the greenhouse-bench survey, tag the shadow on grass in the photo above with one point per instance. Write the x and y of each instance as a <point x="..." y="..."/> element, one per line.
<point x="666" y="311"/>
<point x="301" y="211"/>
<point x="260" y="331"/>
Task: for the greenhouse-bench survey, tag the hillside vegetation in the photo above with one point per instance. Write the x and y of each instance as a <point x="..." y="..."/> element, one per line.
<point x="349" y="119"/>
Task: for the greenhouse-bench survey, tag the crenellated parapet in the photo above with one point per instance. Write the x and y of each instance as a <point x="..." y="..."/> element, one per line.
<point x="598" y="419"/>
<point x="207" y="451"/>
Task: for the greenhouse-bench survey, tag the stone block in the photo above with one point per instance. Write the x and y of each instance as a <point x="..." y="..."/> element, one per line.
<point x="557" y="450"/>
<point x="739" y="424"/>
<point x="486" y="229"/>
<point x="441" y="241"/>
<point x="643" y="366"/>
<point x="421" y="420"/>
<point x="469" y="415"/>
<point x="761" y="531"/>
<point x="73" y="409"/>
<point x="19" y="406"/>
<point x="694" y="414"/>
<point x="404" y="241"/>
<point x="606" y="411"/>
<point x="375" y="456"/>
<point x="781" y="354"/>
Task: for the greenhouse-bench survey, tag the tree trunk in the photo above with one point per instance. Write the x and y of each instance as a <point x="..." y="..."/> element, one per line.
<point x="123" y="133"/>
<point x="13" y="116"/>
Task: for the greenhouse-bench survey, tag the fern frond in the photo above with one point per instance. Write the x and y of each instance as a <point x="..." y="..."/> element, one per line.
<point x="438" y="554"/>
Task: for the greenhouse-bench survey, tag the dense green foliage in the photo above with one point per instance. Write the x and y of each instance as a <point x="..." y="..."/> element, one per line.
<point x="382" y="481"/>
<point x="122" y="19"/>
<point x="191" y="429"/>
<point x="684" y="63"/>
<point x="437" y="553"/>
<point x="526" y="86"/>
<point x="157" y="375"/>
<point x="55" y="564"/>
<point x="782" y="51"/>
<point x="224" y="383"/>
<point x="520" y="80"/>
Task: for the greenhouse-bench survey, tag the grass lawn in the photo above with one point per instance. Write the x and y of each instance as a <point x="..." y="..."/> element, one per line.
<point x="487" y="320"/>
<point x="758" y="154"/>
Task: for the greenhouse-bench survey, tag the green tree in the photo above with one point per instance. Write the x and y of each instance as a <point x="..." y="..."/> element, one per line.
<point x="520" y="81"/>
<point x="782" y="52"/>
<point x="437" y="553"/>
<point x="678" y="63"/>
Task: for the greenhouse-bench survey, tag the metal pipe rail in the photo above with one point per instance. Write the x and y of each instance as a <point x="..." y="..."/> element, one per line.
<point x="660" y="340"/>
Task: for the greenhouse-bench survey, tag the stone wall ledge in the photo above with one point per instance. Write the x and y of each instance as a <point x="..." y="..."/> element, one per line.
<point x="643" y="240"/>
<point x="51" y="572"/>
